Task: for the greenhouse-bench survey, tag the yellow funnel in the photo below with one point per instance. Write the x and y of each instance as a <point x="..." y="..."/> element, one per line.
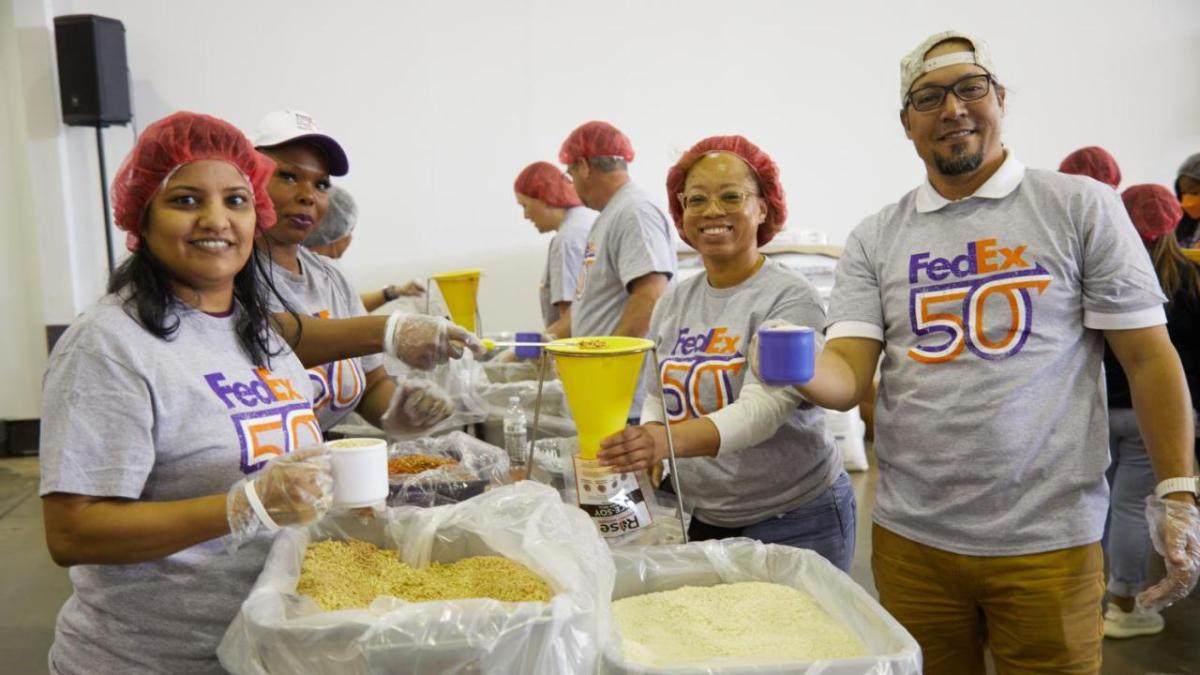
<point x="599" y="377"/>
<point x="458" y="290"/>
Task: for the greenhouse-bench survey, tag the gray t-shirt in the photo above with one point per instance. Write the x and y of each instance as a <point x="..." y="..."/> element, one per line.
<point x="702" y="335"/>
<point x="990" y="417"/>
<point x="630" y="239"/>
<point x="322" y="289"/>
<point x="132" y="416"/>
<point x="564" y="261"/>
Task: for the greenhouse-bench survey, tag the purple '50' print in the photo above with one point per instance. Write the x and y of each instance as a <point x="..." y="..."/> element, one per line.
<point x="966" y="328"/>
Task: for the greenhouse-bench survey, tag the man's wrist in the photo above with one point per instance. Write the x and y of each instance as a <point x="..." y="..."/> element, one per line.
<point x="1184" y="488"/>
<point x="390" y="293"/>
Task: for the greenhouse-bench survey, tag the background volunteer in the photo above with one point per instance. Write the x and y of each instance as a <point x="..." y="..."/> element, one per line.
<point x="548" y="200"/>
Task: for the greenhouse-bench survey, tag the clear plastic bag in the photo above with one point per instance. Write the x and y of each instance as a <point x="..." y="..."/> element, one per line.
<point x="279" y="632"/>
<point x="516" y="371"/>
<point x="549" y="463"/>
<point x="892" y="650"/>
<point x="555" y="463"/>
<point x="478" y="466"/>
<point x="554" y="418"/>
<point x="461" y="379"/>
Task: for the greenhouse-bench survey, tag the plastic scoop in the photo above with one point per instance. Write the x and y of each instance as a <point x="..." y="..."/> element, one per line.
<point x="492" y="344"/>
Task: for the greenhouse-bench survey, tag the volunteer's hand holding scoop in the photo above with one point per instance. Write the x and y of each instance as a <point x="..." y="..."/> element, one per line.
<point x="292" y="489"/>
<point x="782" y="353"/>
<point x="423" y="341"/>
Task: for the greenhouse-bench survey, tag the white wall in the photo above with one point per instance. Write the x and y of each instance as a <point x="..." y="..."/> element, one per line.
<point x="440" y="104"/>
<point x="18" y="332"/>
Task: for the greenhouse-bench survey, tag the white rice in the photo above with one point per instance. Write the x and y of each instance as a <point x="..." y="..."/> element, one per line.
<point x="749" y="622"/>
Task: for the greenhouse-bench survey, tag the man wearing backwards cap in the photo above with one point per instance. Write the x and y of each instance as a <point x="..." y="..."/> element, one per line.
<point x="630" y="256"/>
<point x="991" y="290"/>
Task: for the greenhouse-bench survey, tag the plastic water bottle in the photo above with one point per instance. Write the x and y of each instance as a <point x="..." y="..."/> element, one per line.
<point x="515" y="441"/>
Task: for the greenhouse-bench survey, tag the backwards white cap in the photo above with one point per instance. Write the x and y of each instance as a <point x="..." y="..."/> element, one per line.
<point x="914" y="65"/>
<point x="286" y="126"/>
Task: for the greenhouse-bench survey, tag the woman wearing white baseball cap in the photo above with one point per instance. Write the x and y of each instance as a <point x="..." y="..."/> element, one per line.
<point x="305" y="157"/>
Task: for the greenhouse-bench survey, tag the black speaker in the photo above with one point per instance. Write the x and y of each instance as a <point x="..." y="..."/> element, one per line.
<point x="93" y="75"/>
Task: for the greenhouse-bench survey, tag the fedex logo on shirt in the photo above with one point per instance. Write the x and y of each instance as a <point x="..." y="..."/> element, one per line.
<point x="979" y="301"/>
<point x="715" y="341"/>
<point x="982" y="257"/>
<point x="700" y="375"/>
<point x="262" y="389"/>
<point x="271" y="417"/>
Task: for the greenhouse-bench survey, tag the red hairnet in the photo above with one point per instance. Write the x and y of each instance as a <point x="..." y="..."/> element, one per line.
<point x="1153" y="210"/>
<point x="179" y="139"/>
<point x="544" y="181"/>
<point x="1094" y="162"/>
<point x="764" y="168"/>
<point x="595" y="139"/>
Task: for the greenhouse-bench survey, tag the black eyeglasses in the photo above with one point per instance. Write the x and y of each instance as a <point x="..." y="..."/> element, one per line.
<point x="931" y="97"/>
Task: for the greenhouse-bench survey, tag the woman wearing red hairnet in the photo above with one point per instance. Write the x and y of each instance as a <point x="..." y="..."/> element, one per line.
<point x="548" y="200"/>
<point x="313" y="285"/>
<point x="1155" y="213"/>
<point x="173" y="416"/>
<point x="1093" y="162"/>
<point x="759" y="462"/>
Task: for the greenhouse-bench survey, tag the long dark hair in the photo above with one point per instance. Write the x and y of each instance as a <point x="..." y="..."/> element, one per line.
<point x="1175" y="271"/>
<point x="145" y="284"/>
<point x="1186" y="230"/>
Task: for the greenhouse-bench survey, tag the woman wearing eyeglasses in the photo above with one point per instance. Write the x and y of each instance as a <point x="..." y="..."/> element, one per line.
<point x="758" y="462"/>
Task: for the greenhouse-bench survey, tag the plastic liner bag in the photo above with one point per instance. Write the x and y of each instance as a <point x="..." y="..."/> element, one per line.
<point x="549" y="464"/>
<point x="892" y="650"/>
<point x="554" y="419"/>
<point x="460" y="378"/>
<point x="477" y="466"/>
<point x="279" y="632"/>
<point x="499" y="371"/>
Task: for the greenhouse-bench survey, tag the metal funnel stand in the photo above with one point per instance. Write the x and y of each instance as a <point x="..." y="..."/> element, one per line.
<point x="600" y="376"/>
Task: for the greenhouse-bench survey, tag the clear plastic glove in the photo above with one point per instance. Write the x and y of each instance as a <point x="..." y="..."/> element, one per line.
<point x="752" y="350"/>
<point x="423" y="342"/>
<point x="292" y="489"/>
<point x="416" y="407"/>
<point x="412" y="289"/>
<point x="1175" y="530"/>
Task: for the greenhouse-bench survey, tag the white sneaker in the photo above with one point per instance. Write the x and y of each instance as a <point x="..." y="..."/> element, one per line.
<point x="1121" y="624"/>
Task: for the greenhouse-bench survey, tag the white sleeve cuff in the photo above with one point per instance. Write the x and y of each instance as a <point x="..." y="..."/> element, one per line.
<point x="651" y="409"/>
<point x="754" y="417"/>
<point x="860" y="329"/>
<point x="1142" y="318"/>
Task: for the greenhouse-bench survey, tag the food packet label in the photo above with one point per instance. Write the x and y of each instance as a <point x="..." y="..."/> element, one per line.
<point x="614" y="501"/>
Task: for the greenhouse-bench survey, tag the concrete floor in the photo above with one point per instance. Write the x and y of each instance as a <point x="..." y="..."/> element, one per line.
<point x="32" y="588"/>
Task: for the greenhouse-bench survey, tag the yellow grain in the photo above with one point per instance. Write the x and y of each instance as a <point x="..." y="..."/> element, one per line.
<point x="351" y="574"/>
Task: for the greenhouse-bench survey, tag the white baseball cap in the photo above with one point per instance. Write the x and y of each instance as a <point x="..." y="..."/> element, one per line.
<point x="286" y="126"/>
<point x="914" y="65"/>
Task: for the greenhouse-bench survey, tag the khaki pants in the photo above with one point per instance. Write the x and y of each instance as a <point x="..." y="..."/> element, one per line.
<point x="1038" y="613"/>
